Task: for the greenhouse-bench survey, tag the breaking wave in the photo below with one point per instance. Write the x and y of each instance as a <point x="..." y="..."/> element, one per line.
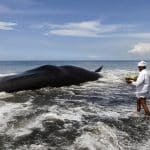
<point x="93" y="116"/>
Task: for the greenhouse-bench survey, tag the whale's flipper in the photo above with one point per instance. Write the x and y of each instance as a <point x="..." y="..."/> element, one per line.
<point x="99" y="69"/>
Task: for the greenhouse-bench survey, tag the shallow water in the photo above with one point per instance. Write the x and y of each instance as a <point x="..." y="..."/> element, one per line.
<point x="96" y="115"/>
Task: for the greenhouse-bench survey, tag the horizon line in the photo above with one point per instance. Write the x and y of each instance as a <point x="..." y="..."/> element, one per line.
<point x="78" y="60"/>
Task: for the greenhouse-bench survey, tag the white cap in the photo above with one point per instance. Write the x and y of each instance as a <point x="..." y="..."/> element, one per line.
<point x="142" y="64"/>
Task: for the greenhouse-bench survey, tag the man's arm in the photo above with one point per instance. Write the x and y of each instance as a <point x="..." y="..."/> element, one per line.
<point x="139" y="80"/>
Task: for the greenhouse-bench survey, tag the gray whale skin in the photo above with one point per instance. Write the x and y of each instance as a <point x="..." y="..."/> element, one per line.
<point x="47" y="75"/>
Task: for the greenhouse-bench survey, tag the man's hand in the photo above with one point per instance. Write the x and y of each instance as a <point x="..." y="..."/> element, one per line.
<point x="129" y="80"/>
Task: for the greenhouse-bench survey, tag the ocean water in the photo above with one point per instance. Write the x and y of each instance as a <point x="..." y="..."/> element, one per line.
<point x="99" y="115"/>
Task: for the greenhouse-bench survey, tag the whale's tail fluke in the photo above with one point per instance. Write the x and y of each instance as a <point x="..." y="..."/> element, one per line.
<point x="99" y="69"/>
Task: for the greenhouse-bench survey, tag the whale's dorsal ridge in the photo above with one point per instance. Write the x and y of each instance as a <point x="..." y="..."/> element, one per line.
<point x="44" y="68"/>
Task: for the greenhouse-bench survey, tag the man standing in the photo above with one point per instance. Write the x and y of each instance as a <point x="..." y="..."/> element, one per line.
<point x="142" y="87"/>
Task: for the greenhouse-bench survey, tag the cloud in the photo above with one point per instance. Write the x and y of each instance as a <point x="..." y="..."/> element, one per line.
<point x="141" y="49"/>
<point x="4" y="9"/>
<point x="135" y="35"/>
<point x="7" y="25"/>
<point x="93" y="57"/>
<point x="83" y="29"/>
<point x="30" y="9"/>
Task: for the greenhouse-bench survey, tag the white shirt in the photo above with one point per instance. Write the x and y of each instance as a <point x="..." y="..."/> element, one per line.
<point x="142" y="84"/>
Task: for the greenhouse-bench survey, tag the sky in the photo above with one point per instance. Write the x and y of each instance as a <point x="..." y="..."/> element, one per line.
<point x="74" y="29"/>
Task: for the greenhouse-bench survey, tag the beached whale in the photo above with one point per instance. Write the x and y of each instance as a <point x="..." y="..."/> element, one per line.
<point x="47" y="75"/>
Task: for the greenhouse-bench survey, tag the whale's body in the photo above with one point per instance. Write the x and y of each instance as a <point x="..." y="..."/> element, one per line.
<point x="47" y="75"/>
